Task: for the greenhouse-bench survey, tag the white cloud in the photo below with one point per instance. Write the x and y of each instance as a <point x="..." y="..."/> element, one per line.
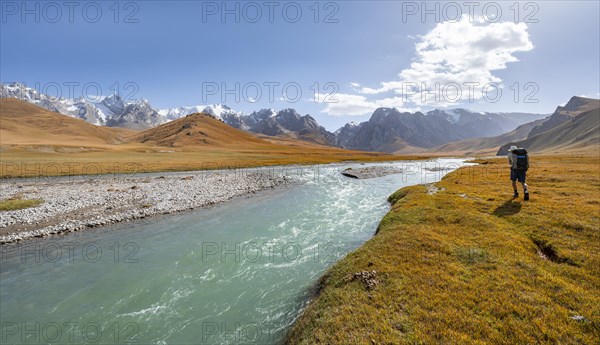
<point x="346" y="104"/>
<point x="354" y="105"/>
<point x="585" y="95"/>
<point x="463" y="53"/>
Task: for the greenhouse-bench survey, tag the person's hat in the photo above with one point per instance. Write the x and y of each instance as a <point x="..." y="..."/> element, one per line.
<point x="512" y="148"/>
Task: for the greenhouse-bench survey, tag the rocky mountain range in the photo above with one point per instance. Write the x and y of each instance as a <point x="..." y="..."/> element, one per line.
<point x="388" y="130"/>
<point x="138" y="114"/>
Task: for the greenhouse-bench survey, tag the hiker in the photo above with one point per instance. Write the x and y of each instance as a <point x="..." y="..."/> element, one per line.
<point x="519" y="163"/>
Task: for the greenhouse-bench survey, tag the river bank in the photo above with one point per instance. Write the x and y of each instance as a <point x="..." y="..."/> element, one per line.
<point x="468" y="264"/>
<point x="238" y="272"/>
<point x="75" y="203"/>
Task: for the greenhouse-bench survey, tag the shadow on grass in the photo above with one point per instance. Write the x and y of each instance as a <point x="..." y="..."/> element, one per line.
<point x="508" y="208"/>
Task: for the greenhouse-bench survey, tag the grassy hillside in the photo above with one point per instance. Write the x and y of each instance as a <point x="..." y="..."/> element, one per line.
<point x="489" y="145"/>
<point x="574" y="107"/>
<point x="469" y="265"/>
<point x="549" y="142"/>
<point x="195" y="131"/>
<point x="579" y="133"/>
<point x="34" y="142"/>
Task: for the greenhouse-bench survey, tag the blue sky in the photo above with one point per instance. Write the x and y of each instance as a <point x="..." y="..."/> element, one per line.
<point x="176" y="52"/>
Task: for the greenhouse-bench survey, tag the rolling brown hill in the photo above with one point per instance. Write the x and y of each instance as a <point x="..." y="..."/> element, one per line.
<point x="203" y="130"/>
<point x="23" y="123"/>
<point x="488" y="145"/>
<point x="582" y="132"/>
<point x="399" y="146"/>
<point x="197" y="130"/>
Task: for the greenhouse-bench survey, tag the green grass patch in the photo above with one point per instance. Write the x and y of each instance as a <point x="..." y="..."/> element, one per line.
<point x="18" y="204"/>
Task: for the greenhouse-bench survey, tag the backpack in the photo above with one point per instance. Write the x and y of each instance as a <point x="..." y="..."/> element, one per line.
<point x="522" y="159"/>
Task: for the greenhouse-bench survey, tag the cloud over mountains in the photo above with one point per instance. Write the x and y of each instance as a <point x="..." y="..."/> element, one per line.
<point x="453" y="63"/>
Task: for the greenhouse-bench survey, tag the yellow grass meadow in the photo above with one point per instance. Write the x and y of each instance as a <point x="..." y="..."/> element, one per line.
<point x="469" y="264"/>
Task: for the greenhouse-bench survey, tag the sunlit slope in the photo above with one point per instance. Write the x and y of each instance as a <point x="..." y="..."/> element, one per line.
<point x="489" y="145"/>
<point x="22" y="123"/>
<point x="201" y="131"/>
<point x="35" y="136"/>
<point x="582" y="133"/>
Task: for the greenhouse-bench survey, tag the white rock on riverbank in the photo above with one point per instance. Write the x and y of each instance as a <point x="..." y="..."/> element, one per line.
<point x="72" y="204"/>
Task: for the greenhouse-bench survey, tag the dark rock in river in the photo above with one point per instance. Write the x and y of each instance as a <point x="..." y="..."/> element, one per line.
<point x="371" y="172"/>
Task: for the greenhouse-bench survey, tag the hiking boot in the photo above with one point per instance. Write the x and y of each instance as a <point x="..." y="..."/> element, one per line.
<point x="526" y="196"/>
<point x="516" y="195"/>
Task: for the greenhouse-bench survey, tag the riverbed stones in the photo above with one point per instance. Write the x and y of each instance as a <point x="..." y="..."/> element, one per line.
<point x="69" y="205"/>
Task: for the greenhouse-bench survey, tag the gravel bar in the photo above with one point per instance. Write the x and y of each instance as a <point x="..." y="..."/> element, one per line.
<point x="73" y="204"/>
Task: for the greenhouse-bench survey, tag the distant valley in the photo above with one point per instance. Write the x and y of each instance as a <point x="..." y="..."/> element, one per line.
<point x="450" y="131"/>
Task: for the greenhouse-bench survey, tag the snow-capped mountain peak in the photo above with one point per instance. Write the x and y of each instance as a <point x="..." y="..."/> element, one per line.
<point x="219" y="111"/>
<point x="176" y="113"/>
<point x="98" y="110"/>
